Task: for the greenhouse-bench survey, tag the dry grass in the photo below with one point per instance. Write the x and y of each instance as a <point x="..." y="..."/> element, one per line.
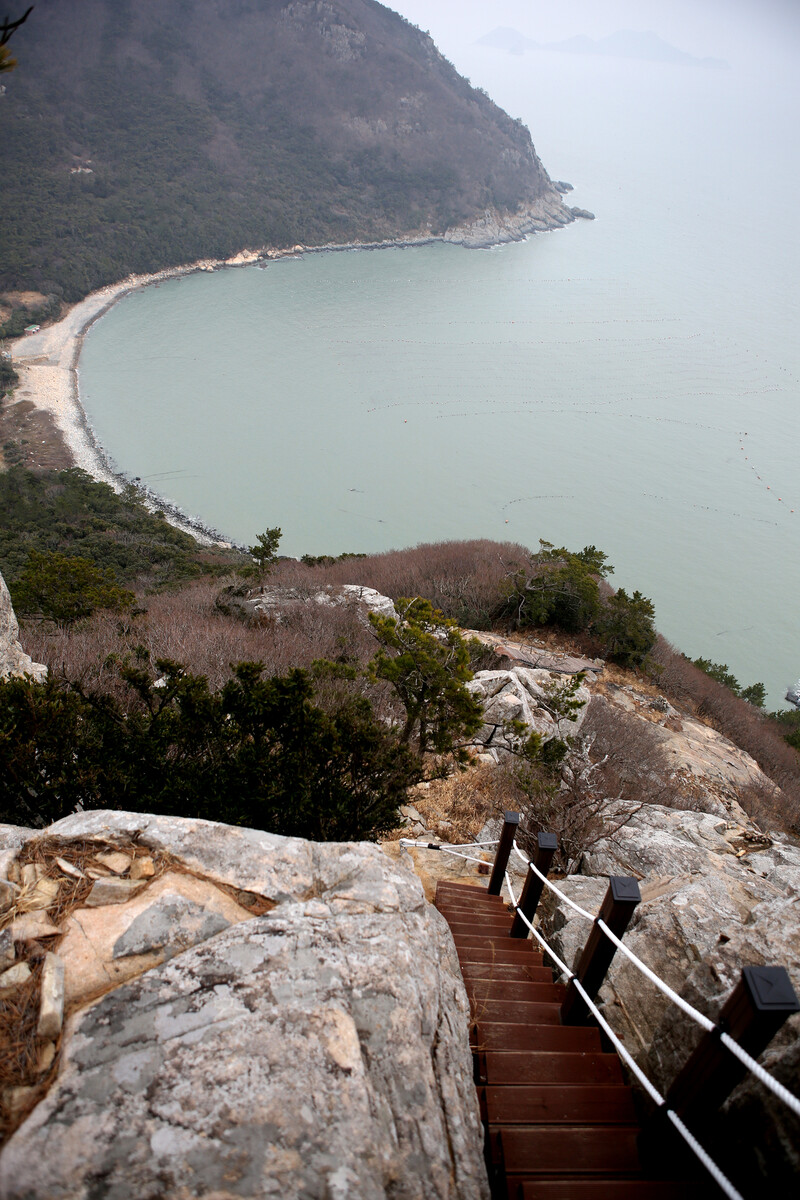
<point x="466" y="580"/>
<point x="466" y="800"/>
<point x="19" y="1052"/>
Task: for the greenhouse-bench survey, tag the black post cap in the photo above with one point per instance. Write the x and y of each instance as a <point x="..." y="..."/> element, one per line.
<point x="771" y="989"/>
<point x="625" y="888"/>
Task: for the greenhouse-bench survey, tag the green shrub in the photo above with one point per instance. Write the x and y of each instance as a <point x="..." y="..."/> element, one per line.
<point x="258" y="752"/>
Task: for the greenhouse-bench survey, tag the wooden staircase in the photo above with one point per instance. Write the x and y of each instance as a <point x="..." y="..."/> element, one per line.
<point x="560" y="1119"/>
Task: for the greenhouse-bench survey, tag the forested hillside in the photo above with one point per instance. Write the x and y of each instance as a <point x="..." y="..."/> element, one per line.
<point x="139" y="135"/>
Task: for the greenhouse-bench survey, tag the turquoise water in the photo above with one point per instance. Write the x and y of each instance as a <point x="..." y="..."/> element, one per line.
<point x="631" y="382"/>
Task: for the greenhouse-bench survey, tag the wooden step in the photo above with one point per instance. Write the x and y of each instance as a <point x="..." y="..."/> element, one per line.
<point x="547" y="1066"/>
<point x="488" y="989"/>
<point x="573" y="1039"/>
<point x="463" y="891"/>
<point x="573" y="1149"/>
<point x="609" y="1189"/>
<point x="524" y="1013"/>
<point x="496" y="950"/>
<point x="477" y="903"/>
<point x="480" y="921"/>
<point x="494" y="927"/>
<point x="470" y="910"/>
<point x="506" y="954"/>
<point x="506" y="972"/>
<point x="473" y="941"/>
<point x="487" y="959"/>
<point x="551" y="1104"/>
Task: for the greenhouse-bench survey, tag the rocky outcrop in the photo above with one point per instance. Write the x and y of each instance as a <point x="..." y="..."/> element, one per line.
<point x="716" y="896"/>
<point x="296" y="1024"/>
<point x="13" y="659"/>
<point x="523" y="652"/>
<point x="710" y="768"/>
<point x="495" y="228"/>
<point x="523" y="695"/>
<point x="272" y="601"/>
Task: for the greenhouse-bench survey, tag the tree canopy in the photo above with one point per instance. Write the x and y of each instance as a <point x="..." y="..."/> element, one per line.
<point x="427" y="661"/>
<point x="258" y="751"/>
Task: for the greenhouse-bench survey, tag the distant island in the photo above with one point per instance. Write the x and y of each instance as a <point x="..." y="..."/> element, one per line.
<point x="625" y="43"/>
<point x="143" y="137"/>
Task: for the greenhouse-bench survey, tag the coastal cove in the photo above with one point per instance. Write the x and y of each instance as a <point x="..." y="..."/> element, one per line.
<point x="423" y="419"/>
<point x="623" y="383"/>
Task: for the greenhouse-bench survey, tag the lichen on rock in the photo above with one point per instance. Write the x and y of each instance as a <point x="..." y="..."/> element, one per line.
<point x="320" y="1049"/>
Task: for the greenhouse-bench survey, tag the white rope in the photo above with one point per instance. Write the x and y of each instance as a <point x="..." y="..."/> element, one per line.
<point x="769" y="1081"/>
<point x="688" y="1008"/>
<point x="468" y="857"/>
<point x="722" y="1181"/>
<point x="495" y="842"/>
<point x="708" y="1162"/>
<point x="444" y="850"/>
<point x="587" y="915"/>
<point x="701" y="1019"/>
<point x="550" y="953"/>
<point x="443" y="845"/>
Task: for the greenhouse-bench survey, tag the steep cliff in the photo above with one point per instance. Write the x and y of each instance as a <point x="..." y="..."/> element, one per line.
<point x="139" y="136"/>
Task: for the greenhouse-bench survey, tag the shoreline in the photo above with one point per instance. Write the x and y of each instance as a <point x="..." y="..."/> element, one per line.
<point x="47" y="361"/>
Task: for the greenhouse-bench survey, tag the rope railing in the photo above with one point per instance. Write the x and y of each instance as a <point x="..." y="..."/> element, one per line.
<point x="720" y="1179"/>
<point x="747" y="1060"/>
<point x="445" y="848"/>
<point x="708" y="1077"/>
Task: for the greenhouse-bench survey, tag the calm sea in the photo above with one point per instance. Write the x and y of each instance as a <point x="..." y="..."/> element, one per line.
<point x="631" y="382"/>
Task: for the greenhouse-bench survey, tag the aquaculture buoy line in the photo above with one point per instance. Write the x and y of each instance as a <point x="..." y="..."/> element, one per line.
<point x="743" y="448"/>
<point x="546" y="342"/>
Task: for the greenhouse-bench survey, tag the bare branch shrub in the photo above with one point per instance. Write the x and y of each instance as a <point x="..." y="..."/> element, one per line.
<point x="187" y="627"/>
<point x="468" y="580"/>
<point x="749" y="728"/>
<point x="770" y="807"/>
<point x="628" y="755"/>
<point x="616" y="757"/>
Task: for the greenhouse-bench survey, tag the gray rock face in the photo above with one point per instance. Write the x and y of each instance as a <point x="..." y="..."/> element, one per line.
<point x="250" y="859"/>
<point x="712" y="902"/>
<point x="13" y="659"/>
<point x="494" y="227"/>
<point x="519" y="694"/>
<point x="529" y="654"/>
<point x="320" y="1050"/>
<point x="173" y="922"/>
<point x="272" y="601"/>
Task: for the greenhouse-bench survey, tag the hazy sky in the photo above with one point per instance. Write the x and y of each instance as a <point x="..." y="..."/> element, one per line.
<point x="732" y="29"/>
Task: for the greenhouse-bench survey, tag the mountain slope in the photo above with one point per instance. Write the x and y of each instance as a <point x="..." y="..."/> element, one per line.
<point x="139" y="135"/>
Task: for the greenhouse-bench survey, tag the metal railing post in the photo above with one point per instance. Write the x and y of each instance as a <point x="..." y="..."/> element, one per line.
<point x="752" y="1015"/>
<point x="616" y="910"/>
<point x="510" y="825"/>
<point x="546" y="846"/>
